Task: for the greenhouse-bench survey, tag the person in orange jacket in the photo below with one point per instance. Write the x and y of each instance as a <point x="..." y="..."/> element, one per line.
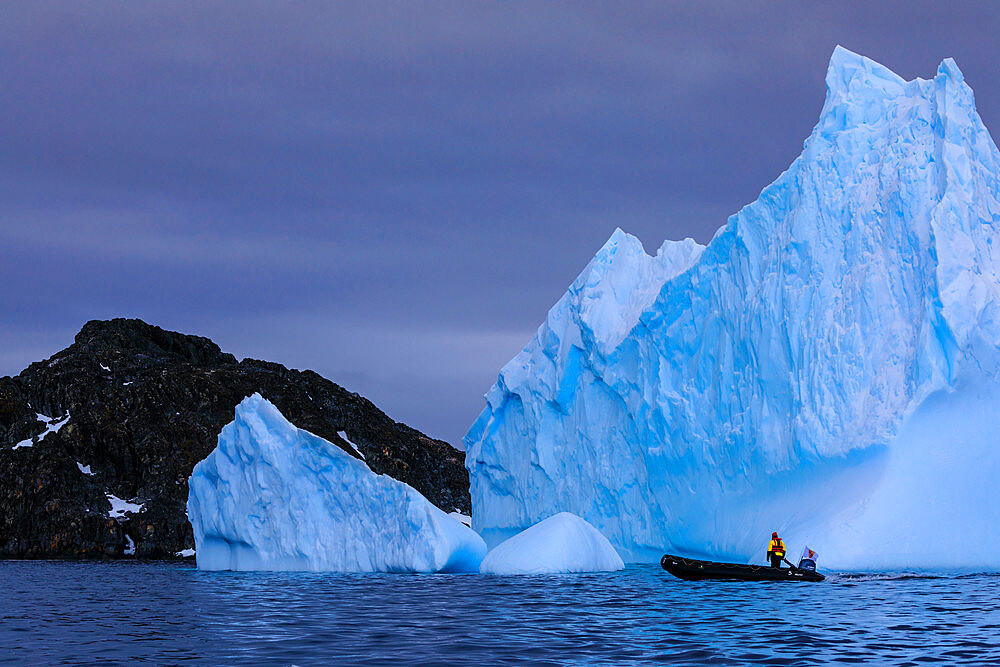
<point x="775" y="550"/>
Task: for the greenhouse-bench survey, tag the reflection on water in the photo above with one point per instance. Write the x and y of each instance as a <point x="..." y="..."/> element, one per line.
<point x="122" y="612"/>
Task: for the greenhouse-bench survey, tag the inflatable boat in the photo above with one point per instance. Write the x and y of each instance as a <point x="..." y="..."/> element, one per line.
<point x="695" y="570"/>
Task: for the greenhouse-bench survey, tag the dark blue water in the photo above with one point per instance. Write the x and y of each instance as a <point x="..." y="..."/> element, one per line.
<point x="126" y="612"/>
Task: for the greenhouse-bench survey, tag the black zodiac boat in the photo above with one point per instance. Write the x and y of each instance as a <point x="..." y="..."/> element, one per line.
<point x="695" y="570"/>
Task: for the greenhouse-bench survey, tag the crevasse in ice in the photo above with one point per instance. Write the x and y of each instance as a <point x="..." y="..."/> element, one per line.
<point x="271" y="496"/>
<point x="827" y="366"/>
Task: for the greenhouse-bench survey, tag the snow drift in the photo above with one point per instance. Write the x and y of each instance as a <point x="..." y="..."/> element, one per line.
<point x="826" y="367"/>
<point x="271" y="496"/>
<point x="563" y="543"/>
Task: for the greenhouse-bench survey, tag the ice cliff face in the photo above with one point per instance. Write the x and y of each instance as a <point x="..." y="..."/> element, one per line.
<point x="826" y="366"/>
<point x="271" y="496"/>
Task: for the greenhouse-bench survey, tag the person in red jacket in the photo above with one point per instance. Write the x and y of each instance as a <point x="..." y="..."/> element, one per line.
<point x="775" y="550"/>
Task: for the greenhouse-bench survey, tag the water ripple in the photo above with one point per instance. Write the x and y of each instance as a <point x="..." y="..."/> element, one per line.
<point x="127" y="612"/>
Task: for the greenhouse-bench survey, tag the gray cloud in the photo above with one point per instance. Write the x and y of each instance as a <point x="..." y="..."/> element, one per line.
<point x="395" y="193"/>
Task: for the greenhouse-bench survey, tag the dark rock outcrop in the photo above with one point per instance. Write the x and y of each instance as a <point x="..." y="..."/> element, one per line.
<point x="144" y="406"/>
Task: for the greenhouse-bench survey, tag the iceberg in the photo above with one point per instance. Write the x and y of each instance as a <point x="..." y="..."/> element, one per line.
<point x="271" y="496"/>
<point x="562" y="543"/>
<point x="827" y="366"/>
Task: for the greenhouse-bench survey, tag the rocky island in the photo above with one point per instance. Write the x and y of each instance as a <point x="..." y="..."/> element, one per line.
<point x="97" y="442"/>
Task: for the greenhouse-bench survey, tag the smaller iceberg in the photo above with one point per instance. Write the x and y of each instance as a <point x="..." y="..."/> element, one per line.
<point x="562" y="543"/>
<point x="271" y="496"/>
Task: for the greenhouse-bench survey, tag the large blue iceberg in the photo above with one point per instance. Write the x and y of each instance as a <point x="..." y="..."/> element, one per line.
<point x="826" y="367"/>
<point x="271" y="496"/>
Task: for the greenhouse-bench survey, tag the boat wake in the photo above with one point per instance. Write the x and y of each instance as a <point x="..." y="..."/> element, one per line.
<point x="854" y="577"/>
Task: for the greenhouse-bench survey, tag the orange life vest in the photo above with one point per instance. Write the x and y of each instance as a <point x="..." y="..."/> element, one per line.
<point x="776" y="547"/>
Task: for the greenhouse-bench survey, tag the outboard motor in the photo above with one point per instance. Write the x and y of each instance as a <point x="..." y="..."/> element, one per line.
<point x="808" y="560"/>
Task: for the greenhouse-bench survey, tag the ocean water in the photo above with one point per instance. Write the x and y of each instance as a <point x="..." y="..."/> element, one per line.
<point x="52" y="612"/>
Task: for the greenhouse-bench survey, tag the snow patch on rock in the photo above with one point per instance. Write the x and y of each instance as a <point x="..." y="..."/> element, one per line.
<point x="52" y="425"/>
<point x="120" y="508"/>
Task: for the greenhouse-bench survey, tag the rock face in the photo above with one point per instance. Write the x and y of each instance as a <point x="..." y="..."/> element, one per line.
<point x="97" y="443"/>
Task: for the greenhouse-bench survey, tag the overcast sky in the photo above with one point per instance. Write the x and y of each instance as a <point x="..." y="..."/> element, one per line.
<point x="394" y="194"/>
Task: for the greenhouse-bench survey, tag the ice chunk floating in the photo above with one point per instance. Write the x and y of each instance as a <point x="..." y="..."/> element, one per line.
<point x="826" y="367"/>
<point x="562" y="543"/>
<point x="271" y="496"/>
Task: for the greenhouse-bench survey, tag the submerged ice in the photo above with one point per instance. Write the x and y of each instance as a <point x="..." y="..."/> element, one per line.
<point x="826" y="367"/>
<point x="271" y="496"/>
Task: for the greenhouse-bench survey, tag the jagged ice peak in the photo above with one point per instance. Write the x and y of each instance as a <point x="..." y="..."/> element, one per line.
<point x="826" y="366"/>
